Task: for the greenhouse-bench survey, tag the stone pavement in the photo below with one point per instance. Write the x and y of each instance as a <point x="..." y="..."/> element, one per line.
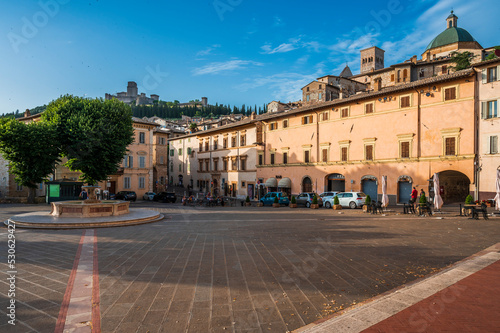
<point x="234" y="269"/>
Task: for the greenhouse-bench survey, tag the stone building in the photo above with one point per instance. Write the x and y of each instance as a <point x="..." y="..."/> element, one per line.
<point x="160" y="158"/>
<point x="132" y="96"/>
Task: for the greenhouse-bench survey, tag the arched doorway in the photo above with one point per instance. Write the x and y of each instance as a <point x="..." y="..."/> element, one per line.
<point x="369" y="186"/>
<point x="455" y="186"/>
<point x="307" y="185"/>
<point x="404" y="189"/>
<point x="335" y="183"/>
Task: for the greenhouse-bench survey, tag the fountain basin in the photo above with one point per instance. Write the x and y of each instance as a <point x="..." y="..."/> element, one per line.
<point x="92" y="209"/>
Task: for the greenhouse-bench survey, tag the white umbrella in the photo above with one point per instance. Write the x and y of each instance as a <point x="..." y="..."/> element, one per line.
<point x="438" y="201"/>
<point x="385" y="197"/>
<point x="497" y="197"/>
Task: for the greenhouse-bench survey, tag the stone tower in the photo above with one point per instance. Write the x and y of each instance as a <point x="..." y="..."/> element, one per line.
<point x="372" y="58"/>
<point x="132" y="89"/>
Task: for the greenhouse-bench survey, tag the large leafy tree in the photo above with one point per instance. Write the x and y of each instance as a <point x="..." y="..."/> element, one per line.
<point x="93" y="134"/>
<point x="32" y="150"/>
<point x="462" y="60"/>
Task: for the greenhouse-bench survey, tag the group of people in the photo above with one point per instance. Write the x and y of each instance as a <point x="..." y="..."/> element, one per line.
<point x="211" y="200"/>
<point x="414" y="196"/>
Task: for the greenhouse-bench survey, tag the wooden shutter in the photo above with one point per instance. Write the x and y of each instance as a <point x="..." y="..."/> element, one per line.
<point x="450" y="146"/>
<point x="324" y="155"/>
<point x="405" y="149"/>
<point x="130" y="161"/>
<point x="369" y="108"/>
<point x="344" y="153"/>
<point x="310" y="119"/>
<point x="484" y="110"/>
<point x="484" y="74"/>
<point x="369" y="152"/>
<point x="306" y="156"/>
<point x="392" y="77"/>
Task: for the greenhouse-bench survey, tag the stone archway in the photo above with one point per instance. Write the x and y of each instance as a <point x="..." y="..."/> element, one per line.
<point x="335" y="182"/>
<point x="455" y="186"/>
<point x="307" y="184"/>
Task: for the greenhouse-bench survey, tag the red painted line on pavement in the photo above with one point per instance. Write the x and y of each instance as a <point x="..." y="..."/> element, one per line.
<point x="61" y="320"/>
<point x="96" y="310"/>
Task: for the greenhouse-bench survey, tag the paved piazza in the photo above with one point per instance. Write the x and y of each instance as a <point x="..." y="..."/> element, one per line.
<point x="233" y="269"/>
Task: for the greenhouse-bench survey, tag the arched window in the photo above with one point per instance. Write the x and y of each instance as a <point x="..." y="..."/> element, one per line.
<point x="306" y="185"/>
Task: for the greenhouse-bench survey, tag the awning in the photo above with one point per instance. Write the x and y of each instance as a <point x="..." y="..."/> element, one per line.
<point x="285" y="183"/>
<point x="272" y="182"/>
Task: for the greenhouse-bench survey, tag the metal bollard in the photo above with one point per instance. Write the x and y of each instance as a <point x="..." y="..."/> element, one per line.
<point x="460" y="210"/>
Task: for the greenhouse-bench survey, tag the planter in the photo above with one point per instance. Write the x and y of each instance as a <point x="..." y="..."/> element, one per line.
<point x="337" y="207"/>
<point x="276" y="205"/>
<point x="366" y="209"/>
<point x="248" y="204"/>
<point x="260" y="204"/>
<point x="293" y="205"/>
<point x="314" y="206"/>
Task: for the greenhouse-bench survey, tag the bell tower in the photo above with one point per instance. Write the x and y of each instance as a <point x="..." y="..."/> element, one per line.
<point x="451" y="21"/>
<point x="372" y="58"/>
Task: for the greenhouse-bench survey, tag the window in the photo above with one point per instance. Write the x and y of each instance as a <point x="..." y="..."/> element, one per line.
<point x="320" y="95"/>
<point x="285" y="157"/>
<point x="272" y="158"/>
<point x="405" y="74"/>
<point x="307" y="97"/>
<point x="494" y="144"/>
<point x="207" y="165"/>
<point x="200" y="168"/>
<point x="405" y="149"/>
<point x="324" y="115"/>
<point x="324" y="155"/>
<point x="224" y="164"/>
<point x="207" y="146"/>
<point x="142" y="182"/>
<point x="216" y="143"/>
<point x="306" y="156"/>
<point x="172" y="167"/>
<point x="142" y="137"/>
<point x="234" y="164"/>
<point x="130" y="161"/>
<point x="224" y="143"/>
<point x="180" y="167"/>
<point x="142" y="161"/>
<point x="261" y="159"/>
<point x="344" y="112"/>
<point x="285" y="123"/>
<point x="19" y="187"/>
<point x="162" y="141"/>
<point x="126" y="182"/>
<point x="171" y="152"/>
<point x="161" y="159"/>
<point x="450" y="146"/>
<point x="369" y="108"/>
<point x="450" y="93"/>
<point x="392" y="77"/>
<point x="489" y="110"/>
<point x="180" y="151"/>
<point x="307" y="120"/>
<point x="233" y="141"/>
<point x="201" y="146"/>
<point x="343" y="154"/>
<point x="320" y="86"/>
<point x="189" y="151"/>
<point x="405" y="101"/>
<point x="243" y="164"/>
<point x="444" y="69"/>
<point x="243" y="139"/>
<point x="273" y="126"/>
<point x="216" y="165"/>
<point x="491" y="74"/>
<point x="369" y="152"/>
<point x="307" y="89"/>
<point x="421" y="73"/>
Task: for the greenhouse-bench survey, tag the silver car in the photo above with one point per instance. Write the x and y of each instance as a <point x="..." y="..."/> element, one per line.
<point x="327" y="198"/>
<point x="148" y="196"/>
<point x="306" y="199"/>
<point x="351" y="199"/>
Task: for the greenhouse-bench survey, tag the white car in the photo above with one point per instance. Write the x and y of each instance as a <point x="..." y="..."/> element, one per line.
<point x="327" y="198"/>
<point x="148" y="196"/>
<point x="350" y="199"/>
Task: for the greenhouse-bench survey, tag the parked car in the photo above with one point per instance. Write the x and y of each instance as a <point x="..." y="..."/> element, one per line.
<point x="327" y="198"/>
<point x="126" y="195"/>
<point x="306" y="199"/>
<point x="149" y="196"/>
<point x="351" y="199"/>
<point x="268" y="199"/>
<point x="165" y="197"/>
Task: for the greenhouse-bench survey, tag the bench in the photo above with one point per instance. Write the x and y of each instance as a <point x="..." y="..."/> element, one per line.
<point x="377" y="207"/>
<point x="424" y="209"/>
<point x="408" y="208"/>
<point x="476" y="211"/>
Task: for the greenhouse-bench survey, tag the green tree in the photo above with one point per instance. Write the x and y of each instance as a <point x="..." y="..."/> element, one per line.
<point x="93" y="134"/>
<point x="461" y="60"/>
<point x="492" y="55"/>
<point x="32" y="151"/>
<point x="193" y="127"/>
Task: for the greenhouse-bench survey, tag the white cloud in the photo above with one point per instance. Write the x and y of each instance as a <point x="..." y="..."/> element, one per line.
<point x="225" y="66"/>
<point x="207" y="51"/>
<point x="282" y="48"/>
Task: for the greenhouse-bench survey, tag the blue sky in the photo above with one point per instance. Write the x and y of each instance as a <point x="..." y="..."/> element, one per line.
<point x="231" y="51"/>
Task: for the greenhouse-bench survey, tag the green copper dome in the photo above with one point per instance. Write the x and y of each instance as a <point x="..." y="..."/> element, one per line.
<point x="450" y="36"/>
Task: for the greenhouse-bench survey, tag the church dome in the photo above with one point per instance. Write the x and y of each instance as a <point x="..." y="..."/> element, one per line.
<point x="450" y="36"/>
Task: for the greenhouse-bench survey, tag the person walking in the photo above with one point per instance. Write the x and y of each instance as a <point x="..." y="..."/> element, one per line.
<point x="414" y="195"/>
<point x="83" y="195"/>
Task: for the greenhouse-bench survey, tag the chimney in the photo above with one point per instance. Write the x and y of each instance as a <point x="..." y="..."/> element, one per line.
<point x="253" y="116"/>
<point x="27" y="113"/>
<point x="414" y="59"/>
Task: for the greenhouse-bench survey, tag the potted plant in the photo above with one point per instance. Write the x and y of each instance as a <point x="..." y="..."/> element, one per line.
<point x="315" y="204"/>
<point x="247" y="201"/>
<point x="293" y="203"/>
<point x="469" y="200"/>
<point x="276" y="203"/>
<point x="336" y="203"/>
<point x="367" y="205"/>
